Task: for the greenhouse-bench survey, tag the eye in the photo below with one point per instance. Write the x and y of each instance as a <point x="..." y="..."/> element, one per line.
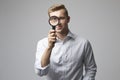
<point x="53" y="18"/>
<point x="61" y="18"/>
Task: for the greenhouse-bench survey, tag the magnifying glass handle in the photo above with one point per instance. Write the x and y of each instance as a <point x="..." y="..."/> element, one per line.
<point x="53" y="27"/>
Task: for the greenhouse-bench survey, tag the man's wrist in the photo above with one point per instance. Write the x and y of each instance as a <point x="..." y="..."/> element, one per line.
<point x="49" y="48"/>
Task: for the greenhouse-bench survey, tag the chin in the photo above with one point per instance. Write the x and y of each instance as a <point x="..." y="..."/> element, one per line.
<point x="59" y="31"/>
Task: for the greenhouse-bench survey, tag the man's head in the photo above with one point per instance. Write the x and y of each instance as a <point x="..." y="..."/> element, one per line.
<point x="61" y="12"/>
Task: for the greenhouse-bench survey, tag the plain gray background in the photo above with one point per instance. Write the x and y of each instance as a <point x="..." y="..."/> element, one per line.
<point x="24" y="22"/>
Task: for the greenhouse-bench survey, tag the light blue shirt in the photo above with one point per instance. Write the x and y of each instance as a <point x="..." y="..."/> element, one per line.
<point x="69" y="59"/>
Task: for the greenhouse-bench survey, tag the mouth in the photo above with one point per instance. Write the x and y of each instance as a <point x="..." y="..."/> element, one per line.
<point x="59" y="27"/>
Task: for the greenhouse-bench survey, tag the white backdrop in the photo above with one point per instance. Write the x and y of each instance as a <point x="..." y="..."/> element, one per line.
<point x="24" y="22"/>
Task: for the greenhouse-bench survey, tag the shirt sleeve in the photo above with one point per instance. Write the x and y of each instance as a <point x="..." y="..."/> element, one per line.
<point x="90" y="64"/>
<point x="39" y="52"/>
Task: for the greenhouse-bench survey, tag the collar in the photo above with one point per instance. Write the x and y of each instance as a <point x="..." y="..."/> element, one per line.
<point x="71" y="35"/>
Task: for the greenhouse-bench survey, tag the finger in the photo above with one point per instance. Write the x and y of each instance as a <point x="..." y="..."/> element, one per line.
<point x="51" y="31"/>
<point x="52" y="34"/>
<point x="52" y="39"/>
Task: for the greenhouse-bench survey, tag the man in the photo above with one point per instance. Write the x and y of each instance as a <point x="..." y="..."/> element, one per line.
<point x="63" y="55"/>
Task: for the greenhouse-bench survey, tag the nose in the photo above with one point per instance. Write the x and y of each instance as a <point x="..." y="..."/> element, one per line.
<point x="59" y="23"/>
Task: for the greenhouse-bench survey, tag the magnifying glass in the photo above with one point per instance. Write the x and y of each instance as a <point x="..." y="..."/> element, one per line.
<point x="53" y="21"/>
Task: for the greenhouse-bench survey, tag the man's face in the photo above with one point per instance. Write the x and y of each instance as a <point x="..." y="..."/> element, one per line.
<point x="63" y="20"/>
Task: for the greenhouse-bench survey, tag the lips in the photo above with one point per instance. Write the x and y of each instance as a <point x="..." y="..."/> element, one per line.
<point x="59" y="27"/>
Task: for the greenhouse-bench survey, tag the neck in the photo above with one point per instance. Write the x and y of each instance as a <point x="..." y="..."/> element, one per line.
<point x="62" y="35"/>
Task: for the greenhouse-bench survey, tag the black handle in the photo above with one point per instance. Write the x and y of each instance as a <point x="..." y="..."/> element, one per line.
<point x="53" y="27"/>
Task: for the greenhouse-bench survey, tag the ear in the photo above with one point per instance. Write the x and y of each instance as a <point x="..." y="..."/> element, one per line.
<point x="68" y="19"/>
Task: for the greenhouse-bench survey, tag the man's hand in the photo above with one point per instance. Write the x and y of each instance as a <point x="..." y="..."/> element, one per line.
<point x="51" y="38"/>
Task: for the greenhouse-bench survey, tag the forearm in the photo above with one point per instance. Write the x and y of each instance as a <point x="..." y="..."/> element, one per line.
<point x="46" y="57"/>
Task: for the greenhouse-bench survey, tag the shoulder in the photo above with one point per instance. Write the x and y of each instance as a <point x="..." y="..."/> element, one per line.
<point x="43" y="41"/>
<point x="81" y="40"/>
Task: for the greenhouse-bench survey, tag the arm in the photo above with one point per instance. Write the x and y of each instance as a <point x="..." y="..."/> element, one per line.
<point x="39" y="69"/>
<point x="89" y="61"/>
<point x="44" y="49"/>
<point x="46" y="55"/>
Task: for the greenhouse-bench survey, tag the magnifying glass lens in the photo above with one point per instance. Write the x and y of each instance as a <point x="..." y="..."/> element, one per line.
<point x="53" y="20"/>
